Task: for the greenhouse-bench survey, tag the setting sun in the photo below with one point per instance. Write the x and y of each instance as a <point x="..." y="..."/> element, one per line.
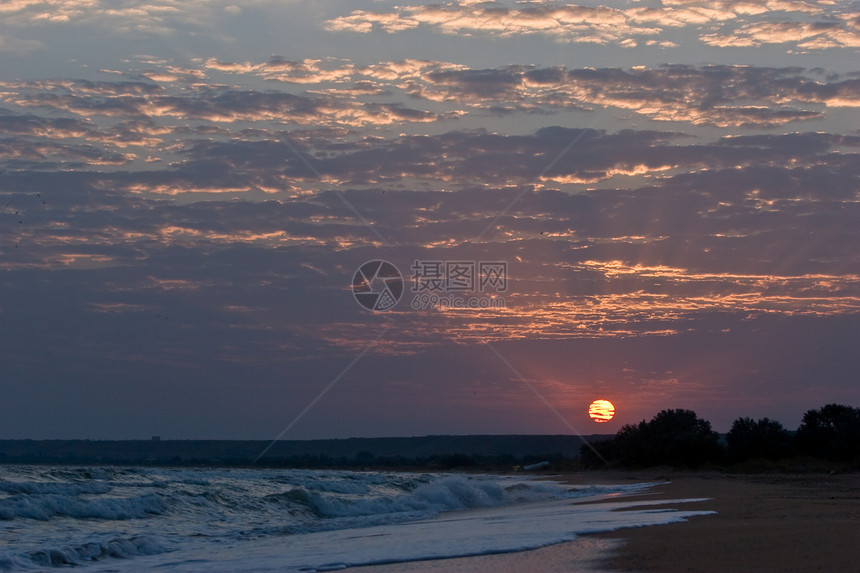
<point x="601" y="411"/>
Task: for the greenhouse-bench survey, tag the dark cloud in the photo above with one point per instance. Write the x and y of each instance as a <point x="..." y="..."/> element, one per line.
<point x="224" y="291"/>
<point x="182" y="241"/>
<point x="32" y="125"/>
<point x="484" y="84"/>
<point x="707" y="95"/>
<point x="552" y="155"/>
<point x="19" y="153"/>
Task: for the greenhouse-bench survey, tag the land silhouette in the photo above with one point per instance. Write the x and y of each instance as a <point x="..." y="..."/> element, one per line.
<point x="677" y="438"/>
<point x="680" y="438"/>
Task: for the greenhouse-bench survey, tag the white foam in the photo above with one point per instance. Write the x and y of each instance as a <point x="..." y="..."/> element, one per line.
<point x="44" y="507"/>
<point x="454" y="534"/>
<point x="282" y="520"/>
<point x="107" y="547"/>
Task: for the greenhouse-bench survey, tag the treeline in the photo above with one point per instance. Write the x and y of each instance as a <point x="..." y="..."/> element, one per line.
<point x="479" y="452"/>
<point x="368" y="460"/>
<point x="362" y="460"/>
<point x="680" y="438"/>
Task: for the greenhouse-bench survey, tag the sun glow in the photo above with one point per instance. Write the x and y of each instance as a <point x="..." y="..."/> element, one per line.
<point x="601" y="411"/>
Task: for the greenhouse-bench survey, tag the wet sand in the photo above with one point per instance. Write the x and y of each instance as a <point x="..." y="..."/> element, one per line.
<point x="764" y="523"/>
<point x="579" y="556"/>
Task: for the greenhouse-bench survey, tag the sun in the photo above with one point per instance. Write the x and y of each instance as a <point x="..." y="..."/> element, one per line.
<point x="601" y="411"/>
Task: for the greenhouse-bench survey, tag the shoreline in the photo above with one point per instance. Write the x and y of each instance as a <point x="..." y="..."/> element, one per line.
<point x="763" y="523"/>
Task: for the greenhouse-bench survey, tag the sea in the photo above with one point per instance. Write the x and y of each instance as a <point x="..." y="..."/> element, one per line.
<point x="234" y="520"/>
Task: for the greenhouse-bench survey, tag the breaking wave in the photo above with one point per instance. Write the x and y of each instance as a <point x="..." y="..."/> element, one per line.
<point x="63" y="517"/>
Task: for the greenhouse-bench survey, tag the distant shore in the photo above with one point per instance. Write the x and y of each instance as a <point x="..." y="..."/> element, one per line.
<point x="765" y="523"/>
<point x="426" y="452"/>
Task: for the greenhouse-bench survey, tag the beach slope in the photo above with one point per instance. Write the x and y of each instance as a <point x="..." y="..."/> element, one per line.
<point x="764" y="523"/>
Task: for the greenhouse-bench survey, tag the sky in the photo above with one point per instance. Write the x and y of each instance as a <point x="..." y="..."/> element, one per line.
<point x="654" y="203"/>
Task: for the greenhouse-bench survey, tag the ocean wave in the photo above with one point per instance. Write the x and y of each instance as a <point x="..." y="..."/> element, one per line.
<point x="62" y="517"/>
<point x="297" y="501"/>
<point x="46" y="506"/>
<point x="58" y="488"/>
<point x="321" y="495"/>
<point x="80" y="474"/>
<point x="117" y="548"/>
<point x="442" y="494"/>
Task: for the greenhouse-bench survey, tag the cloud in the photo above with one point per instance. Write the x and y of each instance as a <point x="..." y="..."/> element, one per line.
<point x="142" y="123"/>
<point x="570" y="23"/>
<point x="727" y="188"/>
<point x="602" y="264"/>
<point x="822" y="27"/>
<point x="707" y="95"/>
<point x="746" y="7"/>
<point x="362" y="21"/>
<point x="132" y="18"/>
<point x="20" y="46"/>
<point x="22" y="154"/>
<point x="308" y="71"/>
<point x="806" y="35"/>
<point x="147" y="101"/>
<point x="36" y="126"/>
<point x="341" y="95"/>
<point x="743" y="252"/>
<point x="222" y="189"/>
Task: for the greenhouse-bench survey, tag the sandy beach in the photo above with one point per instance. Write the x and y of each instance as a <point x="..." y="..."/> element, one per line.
<point x="764" y="523"/>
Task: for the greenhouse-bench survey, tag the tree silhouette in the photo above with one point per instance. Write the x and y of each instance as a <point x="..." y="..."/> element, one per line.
<point x="764" y="438"/>
<point x="830" y="432"/>
<point x="672" y="437"/>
